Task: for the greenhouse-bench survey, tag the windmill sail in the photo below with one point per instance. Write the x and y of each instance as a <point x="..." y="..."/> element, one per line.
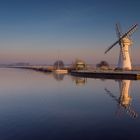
<point x="112" y="46"/>
<point x="118" y="30"/>
<point x="128" y="33"/>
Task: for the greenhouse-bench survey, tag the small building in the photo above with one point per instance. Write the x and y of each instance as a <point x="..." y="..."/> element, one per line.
<point x="80" y="65"/>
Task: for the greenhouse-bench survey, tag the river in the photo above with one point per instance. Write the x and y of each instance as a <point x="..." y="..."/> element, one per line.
<point x="41" y="106"/>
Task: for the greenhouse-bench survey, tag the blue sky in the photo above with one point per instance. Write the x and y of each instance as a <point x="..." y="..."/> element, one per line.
<point x="37" y="31"/>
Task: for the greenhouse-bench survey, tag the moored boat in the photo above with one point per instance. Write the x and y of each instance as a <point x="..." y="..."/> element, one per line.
<point x="61" y="71"/>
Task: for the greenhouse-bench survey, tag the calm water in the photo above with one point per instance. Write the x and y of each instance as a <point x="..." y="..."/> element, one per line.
<point x="38" y="106"/>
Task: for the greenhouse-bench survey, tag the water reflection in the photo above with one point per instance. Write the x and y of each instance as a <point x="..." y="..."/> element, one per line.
<point x="124" y="100"/>
<point x="58" y="77"/>
<point x="79" y="81"/>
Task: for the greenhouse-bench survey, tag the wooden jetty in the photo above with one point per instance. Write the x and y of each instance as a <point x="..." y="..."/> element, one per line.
<point x="128" y="75"/>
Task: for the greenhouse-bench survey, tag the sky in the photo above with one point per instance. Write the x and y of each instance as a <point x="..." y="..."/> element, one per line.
<point x="40" y="31"/>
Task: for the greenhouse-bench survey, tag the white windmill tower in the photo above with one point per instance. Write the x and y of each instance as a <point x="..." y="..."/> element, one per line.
<point x="124" y="42"/>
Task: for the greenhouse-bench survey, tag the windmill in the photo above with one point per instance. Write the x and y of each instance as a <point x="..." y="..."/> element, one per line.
<point x="124" y="42"/>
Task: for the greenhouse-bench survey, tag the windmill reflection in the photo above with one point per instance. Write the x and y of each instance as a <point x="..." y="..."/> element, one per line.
<point x="124" y="100"/>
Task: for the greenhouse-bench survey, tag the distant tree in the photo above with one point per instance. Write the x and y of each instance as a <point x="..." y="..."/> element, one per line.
<point x="59" y="64"/>
<point x="103" y="65"/>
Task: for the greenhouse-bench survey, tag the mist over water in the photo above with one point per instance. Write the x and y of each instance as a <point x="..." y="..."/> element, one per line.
<point x="35" y="105"/>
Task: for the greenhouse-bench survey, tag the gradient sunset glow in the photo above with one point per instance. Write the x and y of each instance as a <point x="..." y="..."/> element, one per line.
<point x="35" y="31"/>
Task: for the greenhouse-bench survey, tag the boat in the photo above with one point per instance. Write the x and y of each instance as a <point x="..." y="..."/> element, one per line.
<point x="59" y="69"/>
